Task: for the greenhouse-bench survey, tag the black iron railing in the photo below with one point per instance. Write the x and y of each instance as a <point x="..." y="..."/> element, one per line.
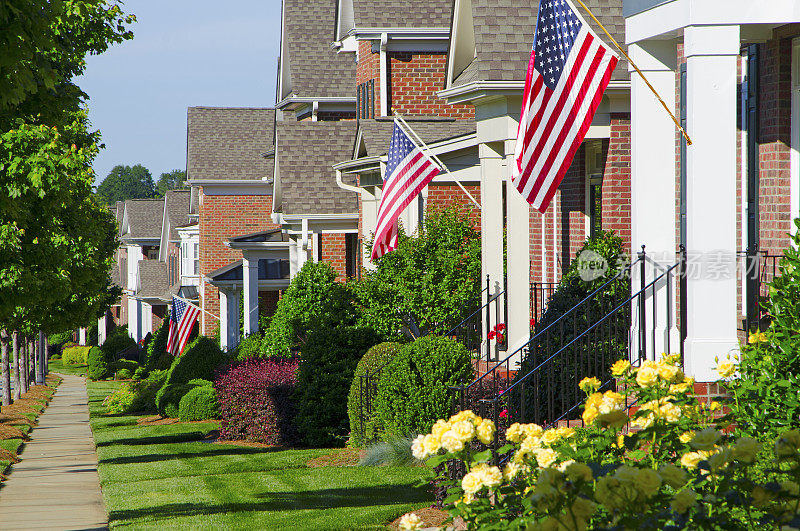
<point x="582" y="342"/>
<point x="470" y="332"/>
<point x="758" y="269"/>
<point x="540" y="296"/>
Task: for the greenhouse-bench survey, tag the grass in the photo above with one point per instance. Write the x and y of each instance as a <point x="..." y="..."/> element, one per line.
<point x="168" y="476"/>
<point x="56" y="365"/>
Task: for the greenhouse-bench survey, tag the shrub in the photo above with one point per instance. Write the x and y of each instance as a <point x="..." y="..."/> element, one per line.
<point x="156" y="355"/>
<point x="249" y="347"/>
<point x="120" y="365"/>
<point x="199" y="404"/>
<point x="414" y="390"/>
<point x="124" y="374"/>
<point x="98" y="365"/>
<point x="313" y="301"/>
<point x="375" y="358"/>
<point x="168" y="398"/>
<point x="60" y="338"/>
<point x="140" y="373"/>
<point x="327" y="365"/>
<point x="117" y="341"/>
<point x="75" y="355"/>
<point x="136" y="397"/>
<point x="255" y="401"/>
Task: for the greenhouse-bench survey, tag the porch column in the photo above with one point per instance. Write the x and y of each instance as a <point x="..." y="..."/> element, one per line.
<point x="653" y="193"/>
<point x="101" y="329"/>
<point x="250" y="277"/>
<point x="518" y="261"/>
<point x="492" y="171"/>
<point x="711" y="59"/>
<point x="229" y="318"/>
<point x="82" y="336"/>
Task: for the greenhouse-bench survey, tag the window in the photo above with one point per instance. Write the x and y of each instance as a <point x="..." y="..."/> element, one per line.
<point x="595" y="204"/>
<point x="196" y="270"/>
<point x="190" y="259"/>
<point x="365" y="99"/>
<point x="351" y="254"/>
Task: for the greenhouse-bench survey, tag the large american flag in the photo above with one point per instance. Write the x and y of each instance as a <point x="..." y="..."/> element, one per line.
<point x="408" y="171"/>
<point x="568" y="71"/>
<point x="181" y="321"/>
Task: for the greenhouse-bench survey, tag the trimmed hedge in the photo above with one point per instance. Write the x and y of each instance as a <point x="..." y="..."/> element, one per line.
<point x="199" y="404"/>
<point x="75" y="355"/>
<point x="375" y="358"/>
<point x="98" y="364"/>
<point x="327" y="365"/>
<point x="118" y="340"/>
<point x="168" y="398"/>
<point x="255" y="401"/>
<point x="120" y="365"/>
<point x="414" y="390"/>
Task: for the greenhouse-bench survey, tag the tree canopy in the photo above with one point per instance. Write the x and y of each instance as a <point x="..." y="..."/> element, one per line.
<point x="127" y="182"/>
<point x="170" y="181"/>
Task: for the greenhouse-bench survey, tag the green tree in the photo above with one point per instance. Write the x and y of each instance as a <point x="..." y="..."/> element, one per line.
<point x="172" y="180"/>
<point x="127" y="182"/>
<point x="429" y="283"/>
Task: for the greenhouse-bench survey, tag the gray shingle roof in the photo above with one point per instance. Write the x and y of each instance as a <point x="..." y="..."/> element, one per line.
<point x="504" y="36"/>
<point x="402" y="13"/>
<point x="177" y="207"/>
<point x="376" y="134"/>
<point x="228" y="143"/>
<point x="153" y="279"/>
<point x="144" y="218"/>
<point x="316" y="69"/>
<point x="115" y="278"/>
<point x="306" y="152"/>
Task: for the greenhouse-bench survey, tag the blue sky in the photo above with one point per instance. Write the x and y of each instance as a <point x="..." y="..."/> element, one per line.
<point x="184" y="53"/>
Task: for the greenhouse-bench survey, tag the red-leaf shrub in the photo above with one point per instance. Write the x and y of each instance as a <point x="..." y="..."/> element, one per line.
<point x="255" y="401"/>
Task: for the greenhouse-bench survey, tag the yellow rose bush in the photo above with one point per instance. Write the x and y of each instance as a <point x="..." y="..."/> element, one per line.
<point x="649" y="456"/>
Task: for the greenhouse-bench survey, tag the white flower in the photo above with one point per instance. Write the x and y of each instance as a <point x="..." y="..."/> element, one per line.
<point x="452" y="442"/>
<point x="410" y="521"/>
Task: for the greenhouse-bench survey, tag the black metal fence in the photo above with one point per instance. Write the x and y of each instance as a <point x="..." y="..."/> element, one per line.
<point x="757" y="269"/>
<point x="540" y="296"/>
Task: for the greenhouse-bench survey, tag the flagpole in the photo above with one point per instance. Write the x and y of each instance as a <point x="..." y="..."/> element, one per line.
<point x="198" y="307"/>
<point x="666" y="108"/>
<point x="424" y="147"/>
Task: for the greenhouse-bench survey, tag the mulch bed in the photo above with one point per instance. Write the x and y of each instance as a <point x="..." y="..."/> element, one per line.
<point x="15" y="420"/>
<point x="430" y="516"/>
<point x="19" y="409"/>
<point x="10" y="432"/>
<point x="11" y="457"/>
<point x="240" y="442"/>
<point x="33" y="404"/>
<point x="340" y="457"/>
<point x="158" y="420"/>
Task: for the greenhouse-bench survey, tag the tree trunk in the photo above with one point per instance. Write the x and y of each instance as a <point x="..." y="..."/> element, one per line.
<point x="46" y="356"/>
<point x="17" y="367"/>
<point x="5" y="377"/>
<point x="31" y="362"/>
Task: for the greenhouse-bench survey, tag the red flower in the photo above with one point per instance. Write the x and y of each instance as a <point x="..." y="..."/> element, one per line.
<point x="500" y="327"/>
<point x="533" y="322"/>
<point x="491" y="334"/>
<point x="503" y="414"/>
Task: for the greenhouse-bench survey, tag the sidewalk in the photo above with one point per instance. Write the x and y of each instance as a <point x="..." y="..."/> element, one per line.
<point x="56" y="485"/>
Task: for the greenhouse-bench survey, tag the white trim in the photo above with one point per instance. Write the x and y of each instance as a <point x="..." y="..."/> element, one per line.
<point x="482" y="89"/>
<point x="401" y="33"/>
<point x="794" y="177"/>
<point x="384" y="71"/>
<point x="234" y="187"/>
<point x="289" y="100"/>
<point x="743" y="170"/>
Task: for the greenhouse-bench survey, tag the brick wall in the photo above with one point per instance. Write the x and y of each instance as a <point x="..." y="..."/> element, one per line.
<point x="223" y="217"/>
<point x="332" y="251"/>
<point x="441" y="196"/>
<point x="616" y="200"/>
<point x="369" y="67"/>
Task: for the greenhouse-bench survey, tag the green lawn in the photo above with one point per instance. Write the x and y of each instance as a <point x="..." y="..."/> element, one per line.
<point x="55" y="365"/>
<point x="168" y="477"/>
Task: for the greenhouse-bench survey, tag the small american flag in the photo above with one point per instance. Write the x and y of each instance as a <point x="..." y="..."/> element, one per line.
<point x="408" y="171"/>
<point x="181" y="320"/>
<point x="568" y="71"/>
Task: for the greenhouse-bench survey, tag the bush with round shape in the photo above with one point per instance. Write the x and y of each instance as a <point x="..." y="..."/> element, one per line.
<point x="128" y="365"/>
<point x="375" y="358"/>
<point x="327" y="364"/>
<point x="75" y="355"/>
<point x="137" y="396"/>
<point x="98" y="365"/>
<point x="414" y="390"/>
<point x="168" y="398"/>
<point x="124" y="374"/>
<point x="255" y="401"/>
<point x="200" y="403"/>
<point x="60" y="338"/>
<point x="116" y="342"/>
<point x="199" y="360"/>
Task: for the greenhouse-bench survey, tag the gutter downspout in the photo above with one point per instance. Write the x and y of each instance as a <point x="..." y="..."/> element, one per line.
<point x="383" y="73"/>
<point x="344" y="186"/>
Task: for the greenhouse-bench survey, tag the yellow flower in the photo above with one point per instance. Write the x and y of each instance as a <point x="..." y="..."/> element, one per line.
<point x="620" y="441"/>
<point x="669" y="372"/>
<point x="674" y="358"/>
<point x="589" y="414"/>
<point x="611" y="401"/>
<point x="418" y="448"/>
<point x="486" y="431"/>
<point x="440" y="427"/>
<point x="410" y="521"/>
<point x="746" y="449"/>
<point x="670" y="412"/>
<point x="705" y="439"/>
<point x="565" y="432"/>
<point x="545" y="457"/>
<point x="757" y="337"/>
<point x="431" y="443"/>
<point x="672" y="475"/>
<point x="686" y="436"/>
<point x="615" y="418"/>
<point x="490" y="475"/>
<point x="691" y="459"/>
<point x="726" y="369"/>
<point x="515" y="433"/>
<point x="511" y="470"/>
<point x="647" y="376"/>
<point x="649" y="481"/>
<point x="620" y="367"/>
<point x="589" y="385"/>
<point x="683" y="501"/>
<point x="681" y="387"/>
<point x="464" y="415"/>
<point x="452" y="442"/>
<point x="464" y="430"/>
<point x="532" y="430"/>
<point x="471" y="482"/>
<point x="550" y="436"/>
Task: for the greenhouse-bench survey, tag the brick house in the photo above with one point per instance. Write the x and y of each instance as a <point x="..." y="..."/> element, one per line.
<point x="229" y="156"/>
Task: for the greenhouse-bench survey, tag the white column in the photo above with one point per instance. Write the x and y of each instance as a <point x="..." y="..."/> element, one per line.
<point x="133" y="318"/>
<point x="293" y="254"/>
<point x="653" y="193"/>
<point x="101" y="329"/>
<point x="229" y="318"/>
<point x="82" y="336"/>
<point x="711" y="59"/>
<point x="518" y="262"/>
<point x="250" y="276"/>
<point x="147" y="319"/>
<point x="492" y="172"/>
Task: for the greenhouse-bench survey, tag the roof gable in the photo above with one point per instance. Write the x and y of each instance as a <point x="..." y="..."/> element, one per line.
<point x="142" y="219"/>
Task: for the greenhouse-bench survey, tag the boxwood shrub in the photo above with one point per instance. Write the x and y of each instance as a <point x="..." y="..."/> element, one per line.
<point x="75" y="355"/>
<point x="375" y="358"/>
<point x="156" y="357"/>
<point x="255" y="401"/>
<point x="200" y="403"/>
<point x="117" y="341"/>
<point x="414" y="389"/>
<point x="199" y="360"/>
<point x="98" y="364"/>
<point x="327" y="364"/>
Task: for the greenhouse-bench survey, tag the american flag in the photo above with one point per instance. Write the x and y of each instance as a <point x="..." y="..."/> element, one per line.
<point x="408" y="171"/>
<point x="181" y="320"/>
<point x="568" y="71"/>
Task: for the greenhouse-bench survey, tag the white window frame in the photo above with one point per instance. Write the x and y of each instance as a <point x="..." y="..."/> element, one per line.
<point x="795" y="149"/>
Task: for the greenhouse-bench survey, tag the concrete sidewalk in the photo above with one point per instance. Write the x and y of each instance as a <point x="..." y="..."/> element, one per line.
<point x="56" y="485"/>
